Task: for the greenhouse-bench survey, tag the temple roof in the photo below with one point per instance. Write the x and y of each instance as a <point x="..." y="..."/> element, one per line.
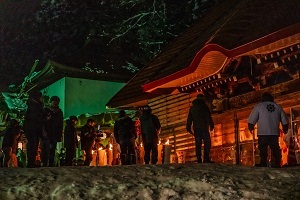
<point x="16" y="96"/>
<point x="234" y="28"/>
<point x="54" y="71"/>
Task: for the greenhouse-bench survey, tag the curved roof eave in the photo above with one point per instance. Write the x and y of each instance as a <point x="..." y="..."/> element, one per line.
<point x="243" y="49"/>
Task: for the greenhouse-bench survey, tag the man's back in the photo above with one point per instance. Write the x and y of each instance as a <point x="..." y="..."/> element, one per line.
<point x="268" y="116"/>
<point x="149" y="127"/>
<point x="124" y="128"/>
<point x="199" y="115"/>
<point x="54" y="125"/>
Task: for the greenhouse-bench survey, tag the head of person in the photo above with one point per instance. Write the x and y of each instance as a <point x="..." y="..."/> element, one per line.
<point x="267" y="97"/>
<point x="147" y="110"/>
<point x="90" y="122"/>
<point x="200" y="99"/>
<point x="122" y="113"/>
<point x="73" y="119"/>
<point x="198" y="102"/>
<point x="36" y="95"/>
<point x="201" y="96"/>
<point x="54" y="101"/>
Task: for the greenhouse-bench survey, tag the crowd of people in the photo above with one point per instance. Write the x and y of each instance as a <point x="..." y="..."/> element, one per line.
<point x="43" y="127"/>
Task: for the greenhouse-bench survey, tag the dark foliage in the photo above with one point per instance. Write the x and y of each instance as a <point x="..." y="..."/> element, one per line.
<point x="102" y="36"/>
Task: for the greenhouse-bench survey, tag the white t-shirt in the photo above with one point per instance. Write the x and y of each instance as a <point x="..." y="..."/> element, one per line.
<point x="268" y="116"/>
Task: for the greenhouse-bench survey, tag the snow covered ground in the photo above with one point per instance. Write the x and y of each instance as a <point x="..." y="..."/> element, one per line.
<point x="168" y="181"/>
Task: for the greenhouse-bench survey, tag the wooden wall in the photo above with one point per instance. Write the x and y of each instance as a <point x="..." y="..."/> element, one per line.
<point x="172" y="112"/>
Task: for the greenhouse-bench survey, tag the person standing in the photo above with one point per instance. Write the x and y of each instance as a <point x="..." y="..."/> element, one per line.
<point x="268" y="115"/>
<point x="70" y="139"/>
<point x="87" y="139"/>
<point x="33" y="125"/>
<point x="150" y="129"/>
<point x="125" y="135"/>
<point x="200" y="117"/>
<point x="54" y="127"/>
<point x="10" y="143"/>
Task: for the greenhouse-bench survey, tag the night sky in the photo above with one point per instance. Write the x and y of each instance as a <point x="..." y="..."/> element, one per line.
<point x="110" y="37"/>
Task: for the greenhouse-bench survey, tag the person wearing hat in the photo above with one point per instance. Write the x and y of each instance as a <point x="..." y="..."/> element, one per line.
<point x="54" y="127"/>
<point x="70" y="139"/>
<point x="33" y="125"/>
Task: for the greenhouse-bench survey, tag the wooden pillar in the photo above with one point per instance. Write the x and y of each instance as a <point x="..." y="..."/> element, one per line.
<point x="174" y="136"/>
<point x="237" y="138"/>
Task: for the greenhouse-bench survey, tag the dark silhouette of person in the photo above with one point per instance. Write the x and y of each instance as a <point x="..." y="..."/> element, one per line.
<point x="125" y="135"/>
<point x="54" y="127"/>
<point x="10" y="144"/>
<point x="33" y="125"/>
<point x="200" y="117"/>
<point x="268" y="115"/>
<point x="150" y="128"/>
<point x="87" y="138"/>
<point x="70" y="139"/>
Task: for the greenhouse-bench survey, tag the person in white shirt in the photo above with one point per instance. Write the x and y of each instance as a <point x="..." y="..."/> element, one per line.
<point x="268" y="116"/>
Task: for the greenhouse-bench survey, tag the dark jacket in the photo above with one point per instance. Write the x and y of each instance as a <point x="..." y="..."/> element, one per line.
<point x="34" y="118"/>
<point x="70" y="136"/>
<point x="150" y="126"/>
<point x="87" y="136"/>
<point x="54" y="125"/>
<point x="199" y="115"/>
<point x="11" y="136"/>
<point x="124" y="129"/>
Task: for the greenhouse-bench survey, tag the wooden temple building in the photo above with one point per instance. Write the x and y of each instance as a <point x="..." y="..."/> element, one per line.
<point x="232" y="55"/>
